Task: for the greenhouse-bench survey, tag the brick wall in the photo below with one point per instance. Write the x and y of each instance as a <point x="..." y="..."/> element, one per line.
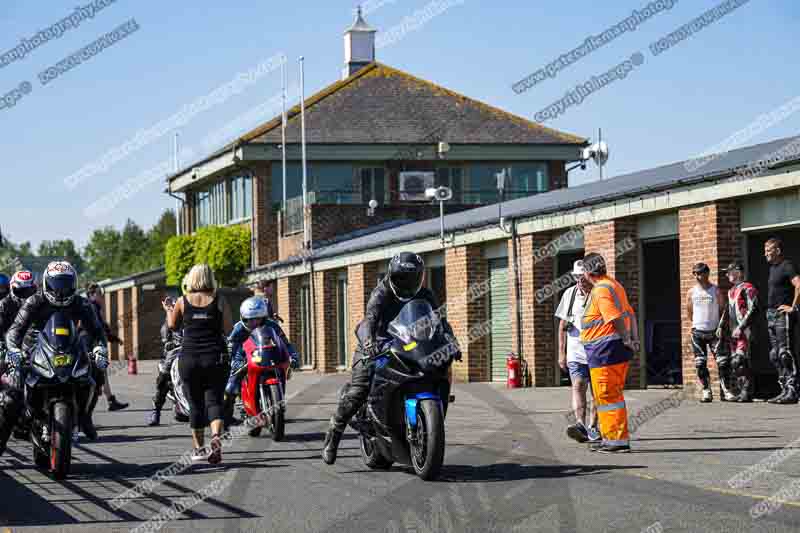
<point x="538" y="335"/>
<point x="360" y="283"/>
<point x="288" y="291"/>
<point x="603" y="238"/>
<point x="326" y="359"/>
<point x="465" y="267"/>
<point x="710" y="234"/>
<point x="290" y="245"/>
<point x="331" y="221"/>
<point x="265" y="222"/>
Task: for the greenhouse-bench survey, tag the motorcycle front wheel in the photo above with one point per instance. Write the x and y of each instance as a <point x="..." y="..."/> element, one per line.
<point x="427" y="453"/>
<point x="61" y="440"/>
<point x="371" y="456"/>
<point x="276" y="412"/>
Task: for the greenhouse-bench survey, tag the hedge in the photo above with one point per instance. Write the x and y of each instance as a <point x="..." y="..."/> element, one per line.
<point x="225" y="249"/>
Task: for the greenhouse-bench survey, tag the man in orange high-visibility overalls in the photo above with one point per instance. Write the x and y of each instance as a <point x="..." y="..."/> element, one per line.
<point x="610" y="336"/>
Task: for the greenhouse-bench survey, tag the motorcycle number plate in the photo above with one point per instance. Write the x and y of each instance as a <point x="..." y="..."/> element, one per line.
<point x="410" y="346"/>
<point x="62" y="360"/>
<point x="62" y="331"/>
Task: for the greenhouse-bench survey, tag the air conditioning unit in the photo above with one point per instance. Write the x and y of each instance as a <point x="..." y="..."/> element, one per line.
<point x="413" y="184"/>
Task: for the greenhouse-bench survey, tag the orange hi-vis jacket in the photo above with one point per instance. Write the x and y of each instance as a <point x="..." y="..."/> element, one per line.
<point x="607" y="302"/>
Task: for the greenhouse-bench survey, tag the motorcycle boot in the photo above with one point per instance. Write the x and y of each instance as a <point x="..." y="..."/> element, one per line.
<point x="789" y="397"/>
<point x="85" y="416"/>
<point x="10" y="409"/>
<point x="332" y="439"/>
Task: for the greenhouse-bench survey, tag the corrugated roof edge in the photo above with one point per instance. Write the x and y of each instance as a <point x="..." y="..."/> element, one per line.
<point x="670" y="184"/>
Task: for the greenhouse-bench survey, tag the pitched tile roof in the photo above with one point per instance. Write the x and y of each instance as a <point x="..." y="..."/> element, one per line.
<point x="380" y="104"/>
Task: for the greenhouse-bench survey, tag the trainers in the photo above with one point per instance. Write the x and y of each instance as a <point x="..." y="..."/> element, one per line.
<point x="200" y="455"/>
<point x="114" y="405"/>
<point x="577" y="432"/>
<point x="608" y="448"/>
<point x="215" y="457"/>
<point x="76" y="436"/>
<point x="593" y="435"/>
<point x="707" y="397"/>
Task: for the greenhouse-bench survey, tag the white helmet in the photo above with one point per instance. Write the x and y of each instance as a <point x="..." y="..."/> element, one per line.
<point x="60" y="283"/>
<point x="254" y="307"/>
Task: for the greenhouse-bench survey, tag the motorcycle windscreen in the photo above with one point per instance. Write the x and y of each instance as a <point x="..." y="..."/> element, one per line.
<point x="55" y="352"/>
<point x="416" y="321"/>
<point x="262" y="348"/>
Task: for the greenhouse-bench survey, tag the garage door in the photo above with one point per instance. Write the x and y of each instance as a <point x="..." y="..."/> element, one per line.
<point x="500" y="315"/>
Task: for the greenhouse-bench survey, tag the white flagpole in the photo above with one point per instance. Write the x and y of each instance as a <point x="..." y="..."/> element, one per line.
<point x="303" y="141"/>
<point x="175" y="166"/>
<point x="283" y="133"/>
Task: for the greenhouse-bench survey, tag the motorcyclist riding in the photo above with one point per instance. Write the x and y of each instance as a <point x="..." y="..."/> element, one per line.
<point x="402" y="283"/>
<point x="59" y="293"/>
<point x="255" y="312"/>
<point x="22" y="286"/>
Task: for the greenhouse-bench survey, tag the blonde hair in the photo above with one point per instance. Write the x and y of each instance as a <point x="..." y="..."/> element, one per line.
<point x="199" y="279"/>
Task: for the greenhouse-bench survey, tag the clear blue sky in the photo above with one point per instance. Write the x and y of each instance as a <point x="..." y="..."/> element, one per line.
<point x="673" y="106"/>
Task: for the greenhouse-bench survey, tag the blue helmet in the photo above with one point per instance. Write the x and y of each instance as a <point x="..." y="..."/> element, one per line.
<point x="5" y="285"/>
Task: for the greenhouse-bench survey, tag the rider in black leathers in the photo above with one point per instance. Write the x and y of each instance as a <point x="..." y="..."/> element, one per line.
<point x="169" y="341"/>
<point x="22" y="286"/>
<point x="37" y="310"/>
<point x="402" y="283"/>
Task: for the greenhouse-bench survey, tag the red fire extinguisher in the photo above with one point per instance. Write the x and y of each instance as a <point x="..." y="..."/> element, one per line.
<point x="132" y="368"/>
<point x="514" y="369"/>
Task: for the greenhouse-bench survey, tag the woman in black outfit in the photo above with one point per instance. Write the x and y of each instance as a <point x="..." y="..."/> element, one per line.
<point x="205" y="318"/>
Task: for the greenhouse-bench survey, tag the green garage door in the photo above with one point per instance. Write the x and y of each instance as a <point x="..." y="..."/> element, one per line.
<point x="500" y="315"/>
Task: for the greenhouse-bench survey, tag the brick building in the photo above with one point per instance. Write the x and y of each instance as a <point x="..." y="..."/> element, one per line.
<point x="651" y="226"/>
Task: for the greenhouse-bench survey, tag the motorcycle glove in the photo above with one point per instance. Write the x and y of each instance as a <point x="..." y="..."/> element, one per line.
<point x="100" y="357"/>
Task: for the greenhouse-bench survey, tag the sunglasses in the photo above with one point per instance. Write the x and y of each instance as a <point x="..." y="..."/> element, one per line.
<point x="699" y="273"/>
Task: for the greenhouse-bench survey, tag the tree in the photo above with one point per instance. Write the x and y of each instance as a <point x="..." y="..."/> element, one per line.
<point x="60" y="250"/>
<point x="102" y="253"/>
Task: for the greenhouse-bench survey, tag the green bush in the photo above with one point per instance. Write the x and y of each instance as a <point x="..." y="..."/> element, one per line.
<point x="225" y="249"/>
<point x="179" y="257"/>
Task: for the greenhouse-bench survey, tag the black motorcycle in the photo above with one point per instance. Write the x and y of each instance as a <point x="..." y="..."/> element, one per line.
<point x="59" y="368"/>
<point x="403" y="419"/>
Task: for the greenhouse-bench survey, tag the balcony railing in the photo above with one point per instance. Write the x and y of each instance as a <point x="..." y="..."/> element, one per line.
<point x="293" y="217"/>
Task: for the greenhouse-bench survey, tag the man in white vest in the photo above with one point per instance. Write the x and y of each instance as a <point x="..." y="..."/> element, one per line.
<point x="705" y="304"/>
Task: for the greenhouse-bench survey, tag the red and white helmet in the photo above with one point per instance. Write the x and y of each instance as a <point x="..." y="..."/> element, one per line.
<point x="60" y="283"/>
<point x="23" y="285"/>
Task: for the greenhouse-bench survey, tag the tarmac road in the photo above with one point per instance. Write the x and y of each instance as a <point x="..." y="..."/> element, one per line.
<point x="508" y="467"/>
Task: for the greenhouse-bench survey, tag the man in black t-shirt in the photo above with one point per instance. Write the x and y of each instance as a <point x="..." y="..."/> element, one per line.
<point x="782" y="300"/>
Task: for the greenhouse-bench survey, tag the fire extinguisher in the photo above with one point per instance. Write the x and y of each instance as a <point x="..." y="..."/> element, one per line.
<point x="514" y="369"/>
<point x="132" y="368"/>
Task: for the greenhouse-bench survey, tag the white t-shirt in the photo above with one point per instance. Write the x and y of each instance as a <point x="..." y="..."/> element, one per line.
<point x="575" y="350"/>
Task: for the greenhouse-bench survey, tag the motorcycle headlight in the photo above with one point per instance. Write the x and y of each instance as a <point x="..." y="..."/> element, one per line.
<point x="42" y="364"/>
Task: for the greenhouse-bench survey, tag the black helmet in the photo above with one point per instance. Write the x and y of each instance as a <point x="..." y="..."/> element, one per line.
<point x="60" y="283"/>
<point x="406" y="274"/>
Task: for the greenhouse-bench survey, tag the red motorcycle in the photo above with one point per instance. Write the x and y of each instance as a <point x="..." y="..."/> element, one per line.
<point x="263" y="388"/>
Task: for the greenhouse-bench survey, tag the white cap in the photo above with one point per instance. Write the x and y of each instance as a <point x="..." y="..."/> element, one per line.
<point x="578" y="269"/>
